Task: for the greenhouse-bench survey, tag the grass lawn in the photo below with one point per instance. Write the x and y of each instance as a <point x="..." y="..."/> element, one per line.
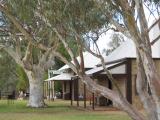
<point x="58" y="110"/>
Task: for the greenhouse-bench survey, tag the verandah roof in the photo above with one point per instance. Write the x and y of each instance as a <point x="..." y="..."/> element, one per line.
<point x="110" y="67"/>
<point x="61" y="77"/>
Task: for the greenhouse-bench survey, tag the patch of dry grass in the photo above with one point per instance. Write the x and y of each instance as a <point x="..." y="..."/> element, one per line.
<point x="58" y="110"/>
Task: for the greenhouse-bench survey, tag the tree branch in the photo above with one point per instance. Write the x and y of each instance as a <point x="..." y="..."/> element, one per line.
<point x="16" y="22"/>
<point x="44" y="60"/>
<point x="63" y="59"/>
<point x="17" y="44"/>
<point x="155" y="40"/>
<point x="27" y="60"/>
<point x="67" y="48"/>
<point x="120" y="28"/>
<point x="21" y="28"/>
<point x="109" y="75"/>
<point x="1" y="47"/>
<point x="47" y="60"/>
<point x="13" y="54"/>
<point x="61" y="39"/>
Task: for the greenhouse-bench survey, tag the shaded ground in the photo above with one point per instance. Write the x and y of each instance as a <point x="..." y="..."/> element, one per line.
<point x="58" y="110"/>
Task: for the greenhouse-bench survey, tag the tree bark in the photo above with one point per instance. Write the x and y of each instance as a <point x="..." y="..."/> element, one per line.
<point x="140" y="36"/>
<point x="35" y="89"/>
<point x="153" y="80"/>
<point x="142" y="84"/>
<point x="150" y="70"/>
<point x="121" y="102"/>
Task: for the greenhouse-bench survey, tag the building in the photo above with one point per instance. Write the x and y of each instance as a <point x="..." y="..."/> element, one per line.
<point x="70" y="85"/>
<point x="122" y="65"/>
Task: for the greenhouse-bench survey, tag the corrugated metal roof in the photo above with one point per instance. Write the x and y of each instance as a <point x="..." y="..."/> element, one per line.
<point x="61" y="77"/>
<point x="128" y="50"/>
<point x="89" y="61"/>
<point x="97" y="69"/>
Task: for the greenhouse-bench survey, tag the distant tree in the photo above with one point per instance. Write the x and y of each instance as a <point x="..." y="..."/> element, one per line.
<point x="8" y="77"/>
<point x="58" y="86"/>
<point x="116" y="40"/>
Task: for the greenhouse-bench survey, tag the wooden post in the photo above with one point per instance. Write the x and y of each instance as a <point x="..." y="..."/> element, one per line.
<point x="43" y="89"/>
<point x="93" y="103"/>
<point x="47" y="90"/>
<point x="77" y="92"/>
<point x="49" y="86"/>
<point x="52" y="84"/>
<point x="129" y="81"/>
<point x="84" y="96"/>
<point x="49" y="83"/>
<point x="90" y="100"/>
<point x="63" y="90"/>
<point x="53" y="90"/>
<point x="71" y="92"/>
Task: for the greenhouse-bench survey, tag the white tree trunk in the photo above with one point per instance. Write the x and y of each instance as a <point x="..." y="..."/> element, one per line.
<point x="36" y="89"/>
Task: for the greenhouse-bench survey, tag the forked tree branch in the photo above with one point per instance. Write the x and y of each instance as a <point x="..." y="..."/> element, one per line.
<point x="27" y="59"/>
<point x="47" y="58"/>
<point x="44" y="19"/>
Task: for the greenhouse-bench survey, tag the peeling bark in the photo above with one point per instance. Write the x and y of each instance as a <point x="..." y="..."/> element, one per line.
<point x="146" y="70"/>
<point x="35" y="89"/>
<point x="142" y="84"/>
<point x="120" y="101"/>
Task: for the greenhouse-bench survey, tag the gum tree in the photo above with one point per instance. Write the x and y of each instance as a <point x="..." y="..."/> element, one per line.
<point x="23" y="39"/>
<point x="71" y="20"/>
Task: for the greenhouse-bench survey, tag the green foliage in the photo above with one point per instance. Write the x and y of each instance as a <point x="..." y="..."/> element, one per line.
<point x="23" y="82"/>
<point x="57" y="86"/>
<point x="117" y="39"/>
<point x="83" y="15"/>
<point x="35" y="55"/>
<point x="45" y="75"/>
<point x="63" y="51"/>
<point x="23" y="9"/>
<point x="68" y="17"/>
<point x="8" y="76"/>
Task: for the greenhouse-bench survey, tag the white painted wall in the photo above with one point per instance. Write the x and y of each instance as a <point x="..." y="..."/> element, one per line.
<point x="154" y="33"/>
